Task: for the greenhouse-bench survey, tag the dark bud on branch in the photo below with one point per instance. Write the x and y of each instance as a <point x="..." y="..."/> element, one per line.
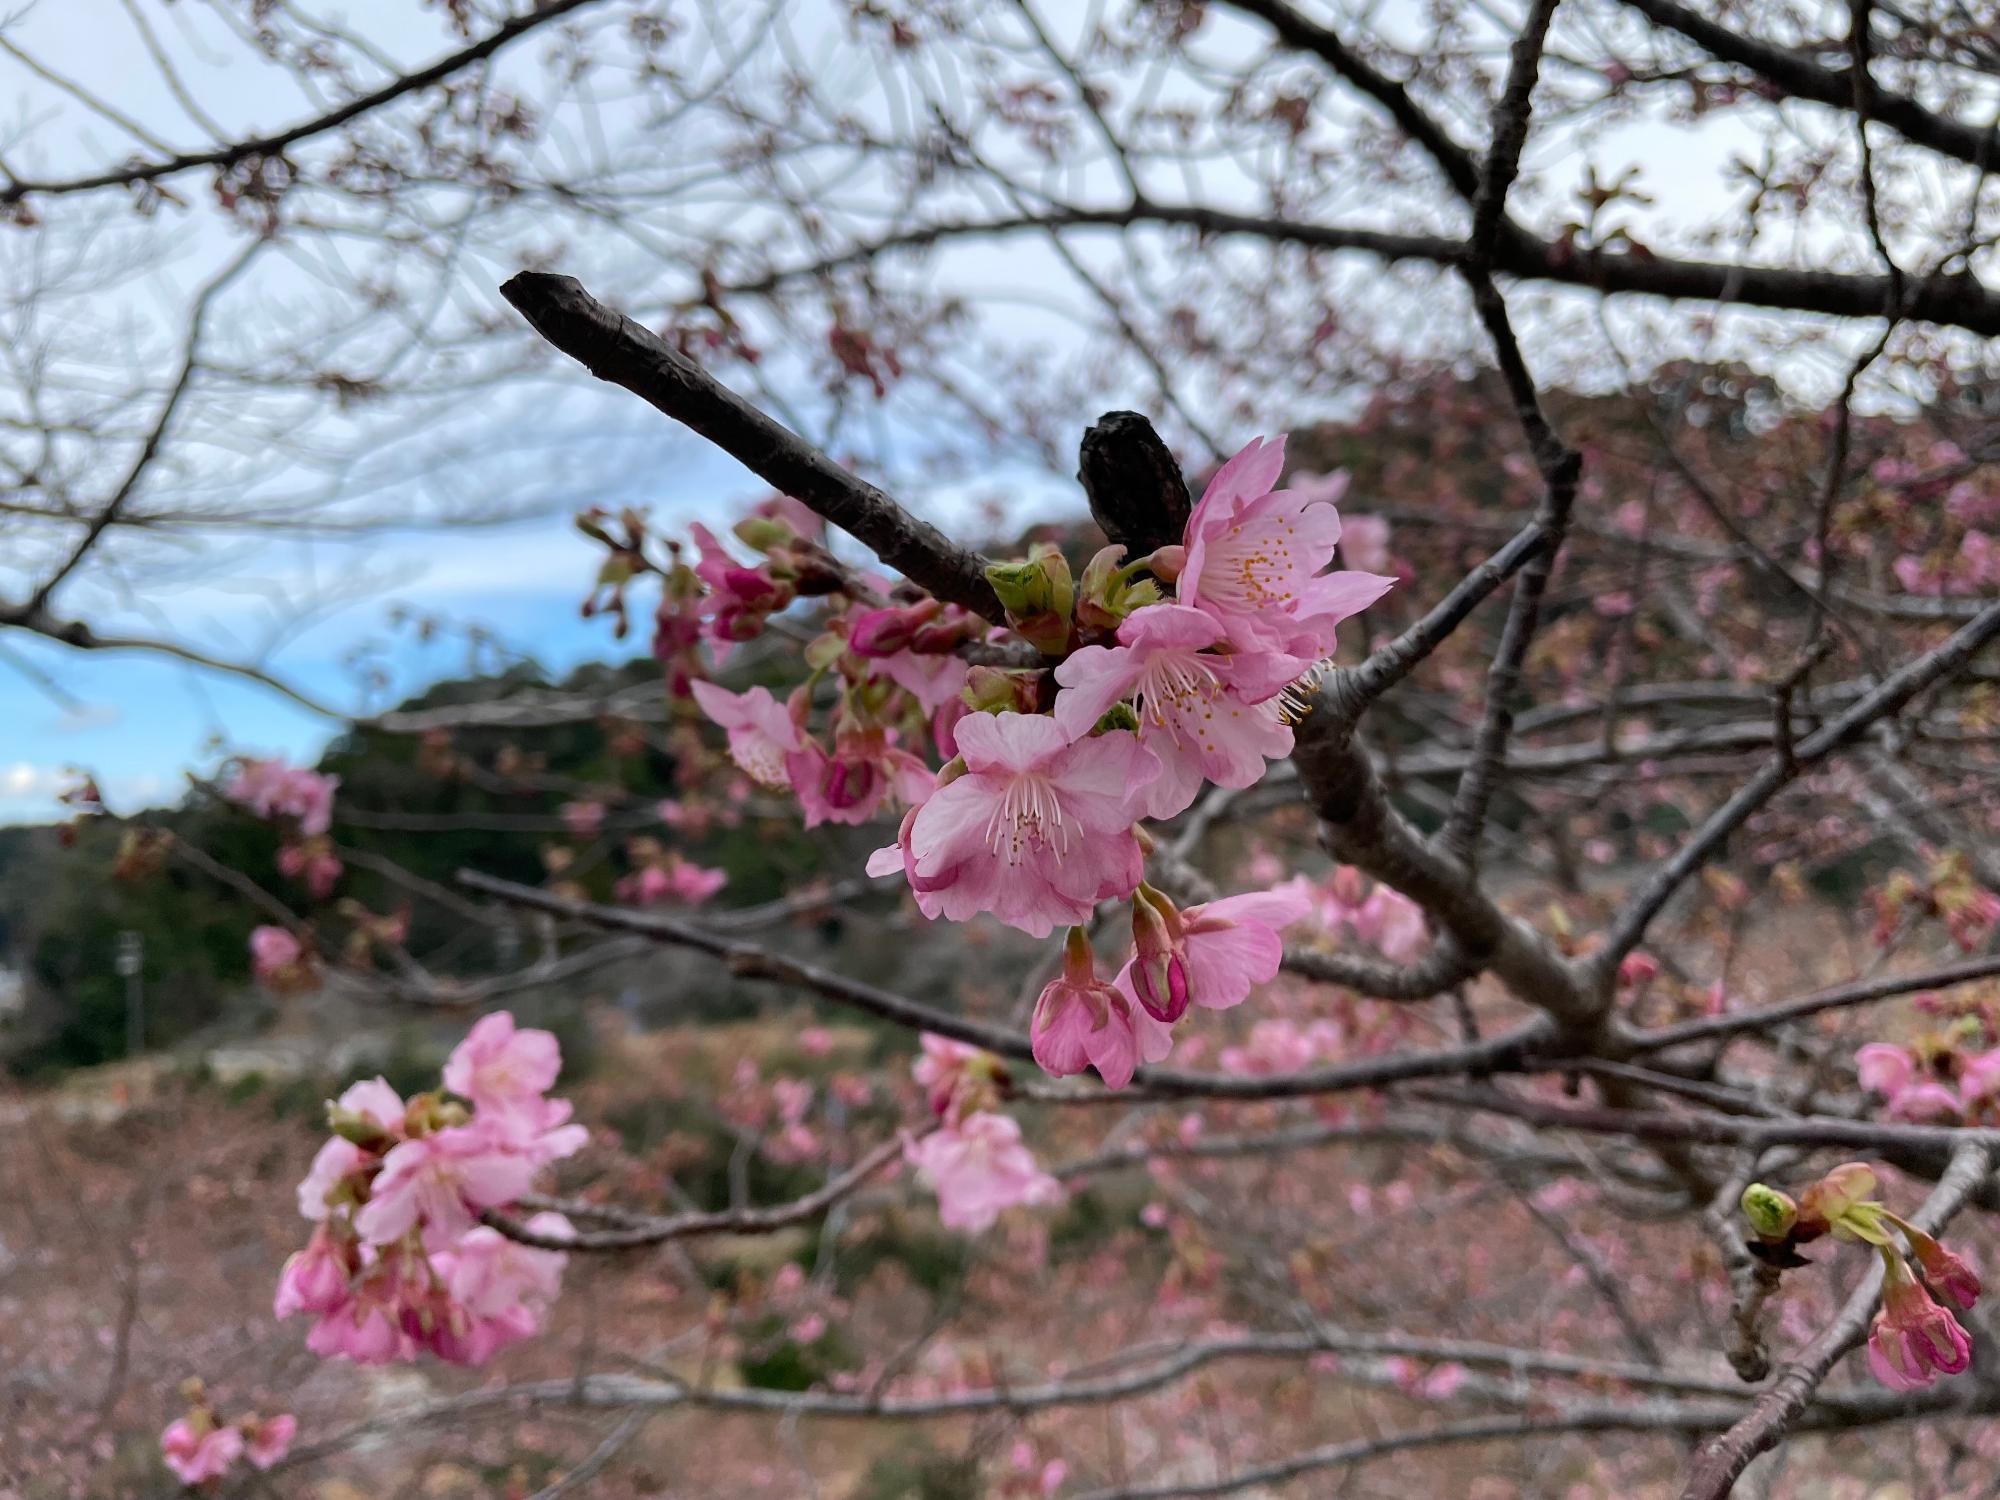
<point x="1137" y="493"/>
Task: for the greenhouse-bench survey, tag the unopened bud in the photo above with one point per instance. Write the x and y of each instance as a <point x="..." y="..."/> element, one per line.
<point x="1159" y="956"/>
<point x="1039" y="596"/>
<point x="995" y="690"/>
<point x="352" y="1125"/>
<point x="889" y="630"/>
<point x="1166" y="562"/>
<point x="1108" y="593"/>
<point x="1770" y="1212"/>
<point x="762" y="534"/>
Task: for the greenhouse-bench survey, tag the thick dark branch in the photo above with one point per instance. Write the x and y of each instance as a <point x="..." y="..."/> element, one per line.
<point x="614" y="348"/>
<point x="1794" y="72"/>
<point x="1510" y="128"/>
<point x="1361" y="828"/>
<point x="15" y="189"/>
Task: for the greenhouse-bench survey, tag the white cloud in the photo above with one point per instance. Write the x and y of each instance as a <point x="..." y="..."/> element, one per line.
<point x="23" y="780"/>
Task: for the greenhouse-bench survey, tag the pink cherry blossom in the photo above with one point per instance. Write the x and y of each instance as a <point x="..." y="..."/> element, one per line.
<point x="1081" y="1021"/>
<point x="268" y="1439"/>
<point x="979" y="1168"/>
<point x="1279" y="1046"/>
<point x="1947" y="1272"/>
<point x="865" y="770"/>
<point x="503" y="1068"/>
<point x="1157" y="975"/>
<point x="1393" y="924"/>
<point x="1385" y="919"/>
<point x="1911" y="1092"/>
<point x="740" y="598"/>
<point x="440" y="1182"/>
<point x="198" y="1451"/>
<point x="372" y="1099"/>
<point x="1925" y="1103"/>
<point x="313" y="865"/>
<point x="1036" y="831"/>
<point x="1255" y="555"/>
<point x="314" y="1280"/>
<point x="272" y="789"/>
<point x="1439" y="1383"/>
<point x="1978" y="1077"/>
<point x="948" y="1071"/>
<point x="1231" y="946"/>
<point x="675" y="881"/>
<point x="889" y="629"/>
<point x="276" y="956"/>
<point x="934" y="681"/>
<point x="495" y="1290"/>
<point x="761" y="730"/>
<point x="1913" y="1340"/>
<point x="1205" y="716"/>
<point x="1638" y="969"/>
<point x="336" y="1163"/>
<point x="1884" y="1069"/>
<point x="1364" y="543"/>
<point x="367" y="1327"/>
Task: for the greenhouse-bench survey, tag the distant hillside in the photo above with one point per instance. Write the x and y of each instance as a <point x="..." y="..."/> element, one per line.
<point x="417" y="801"/>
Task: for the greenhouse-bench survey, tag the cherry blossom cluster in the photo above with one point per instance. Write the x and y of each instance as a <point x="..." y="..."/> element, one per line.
<point x="300" y="802"/>
<point x="1914" y="1338"/>
<point x="974" y="1160"/>
<point x="661" y="877"/>
<point x="1937" y="1078"/>
<point x="1347" y="903"/>
<point x="1171" y="672"/>
<point x="1947" y="892"/>
<point x="200" y="1447"/>
<point x="399" y="1261"/>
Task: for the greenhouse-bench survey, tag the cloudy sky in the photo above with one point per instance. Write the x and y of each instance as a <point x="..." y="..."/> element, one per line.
<point x="140" y="722"/>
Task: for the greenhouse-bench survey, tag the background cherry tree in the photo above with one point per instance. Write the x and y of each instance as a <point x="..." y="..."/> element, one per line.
<point x="1465" y="934"/>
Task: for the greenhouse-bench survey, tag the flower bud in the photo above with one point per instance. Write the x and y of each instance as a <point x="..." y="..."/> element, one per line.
<point x="1950" y="1277"/>
<point x="1843" y="1201"/>
<point x="1159" y="956"/>
<point x="1039" y="596"/>
<point x="763" y="534"/>
<point x="1770" y="1212"/>
<point x="824" y="650"/>
<point x="889" y="630"/>
<point x="1107" y="593"/>
<point x="995" y="690"/>
<point x="352" y="1125"/>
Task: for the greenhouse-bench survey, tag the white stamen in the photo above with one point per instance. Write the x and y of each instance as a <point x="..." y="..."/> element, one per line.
<point x="1030" y="816"/>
